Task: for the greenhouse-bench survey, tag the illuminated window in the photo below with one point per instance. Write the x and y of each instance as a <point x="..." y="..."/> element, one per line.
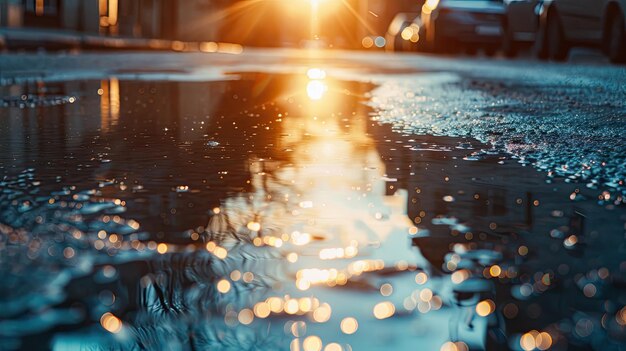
<point x="108" y="10"/>
<point x="42" y="7"/>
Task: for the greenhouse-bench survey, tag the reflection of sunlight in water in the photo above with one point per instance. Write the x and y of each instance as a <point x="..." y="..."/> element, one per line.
<point x="316" y="88"/>
<point x="327" y="212"/>
<point x="313" y="244"/>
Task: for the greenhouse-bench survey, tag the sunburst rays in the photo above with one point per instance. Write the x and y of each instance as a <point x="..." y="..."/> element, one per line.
<point x="247" y="21"/>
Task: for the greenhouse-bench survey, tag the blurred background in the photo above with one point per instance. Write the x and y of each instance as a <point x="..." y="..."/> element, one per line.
<point x="548" y="29"/>
<point x="292" y="23"/>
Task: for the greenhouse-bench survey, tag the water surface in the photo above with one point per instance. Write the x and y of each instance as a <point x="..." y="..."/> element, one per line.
<point x="273" y="211"/>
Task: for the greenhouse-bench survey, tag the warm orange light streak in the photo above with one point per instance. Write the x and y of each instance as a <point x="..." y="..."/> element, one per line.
<point x="102" y="7"/>
<point x="246" y="13"/>
<point x="113" y="12"/>
<point x="39" y="7"/>
<point x="114" y="96"/>
<point x="361" y="20"/>
<point x="234" y="9"/>
<point x="109" y="103"/>
<point x="105" y="111"/>
<point x="315" y="21"/>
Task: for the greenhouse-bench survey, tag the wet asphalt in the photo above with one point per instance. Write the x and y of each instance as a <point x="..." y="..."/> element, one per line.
<point x="268" y="200"/>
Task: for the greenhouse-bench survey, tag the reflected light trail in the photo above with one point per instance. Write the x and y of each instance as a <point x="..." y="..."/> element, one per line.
<point x="316" y="89"/>
<point x="326" y="209"/>
<point x="109" y="103"/>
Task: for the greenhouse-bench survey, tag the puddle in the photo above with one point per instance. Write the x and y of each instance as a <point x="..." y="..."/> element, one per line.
<point x="273" y="211"/>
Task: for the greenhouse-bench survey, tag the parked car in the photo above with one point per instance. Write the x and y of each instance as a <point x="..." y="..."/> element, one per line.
<point x="404" y="32"/>
<point x="567" y="23"/>
<point x="519" y="26"/>
<point x="451" y="25"/>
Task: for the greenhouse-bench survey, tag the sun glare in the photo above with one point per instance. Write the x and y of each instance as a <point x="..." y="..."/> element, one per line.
<point x="315" y="89"/>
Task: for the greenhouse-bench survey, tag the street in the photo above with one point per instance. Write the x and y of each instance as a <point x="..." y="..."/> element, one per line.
<point x="283" y="199"/>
